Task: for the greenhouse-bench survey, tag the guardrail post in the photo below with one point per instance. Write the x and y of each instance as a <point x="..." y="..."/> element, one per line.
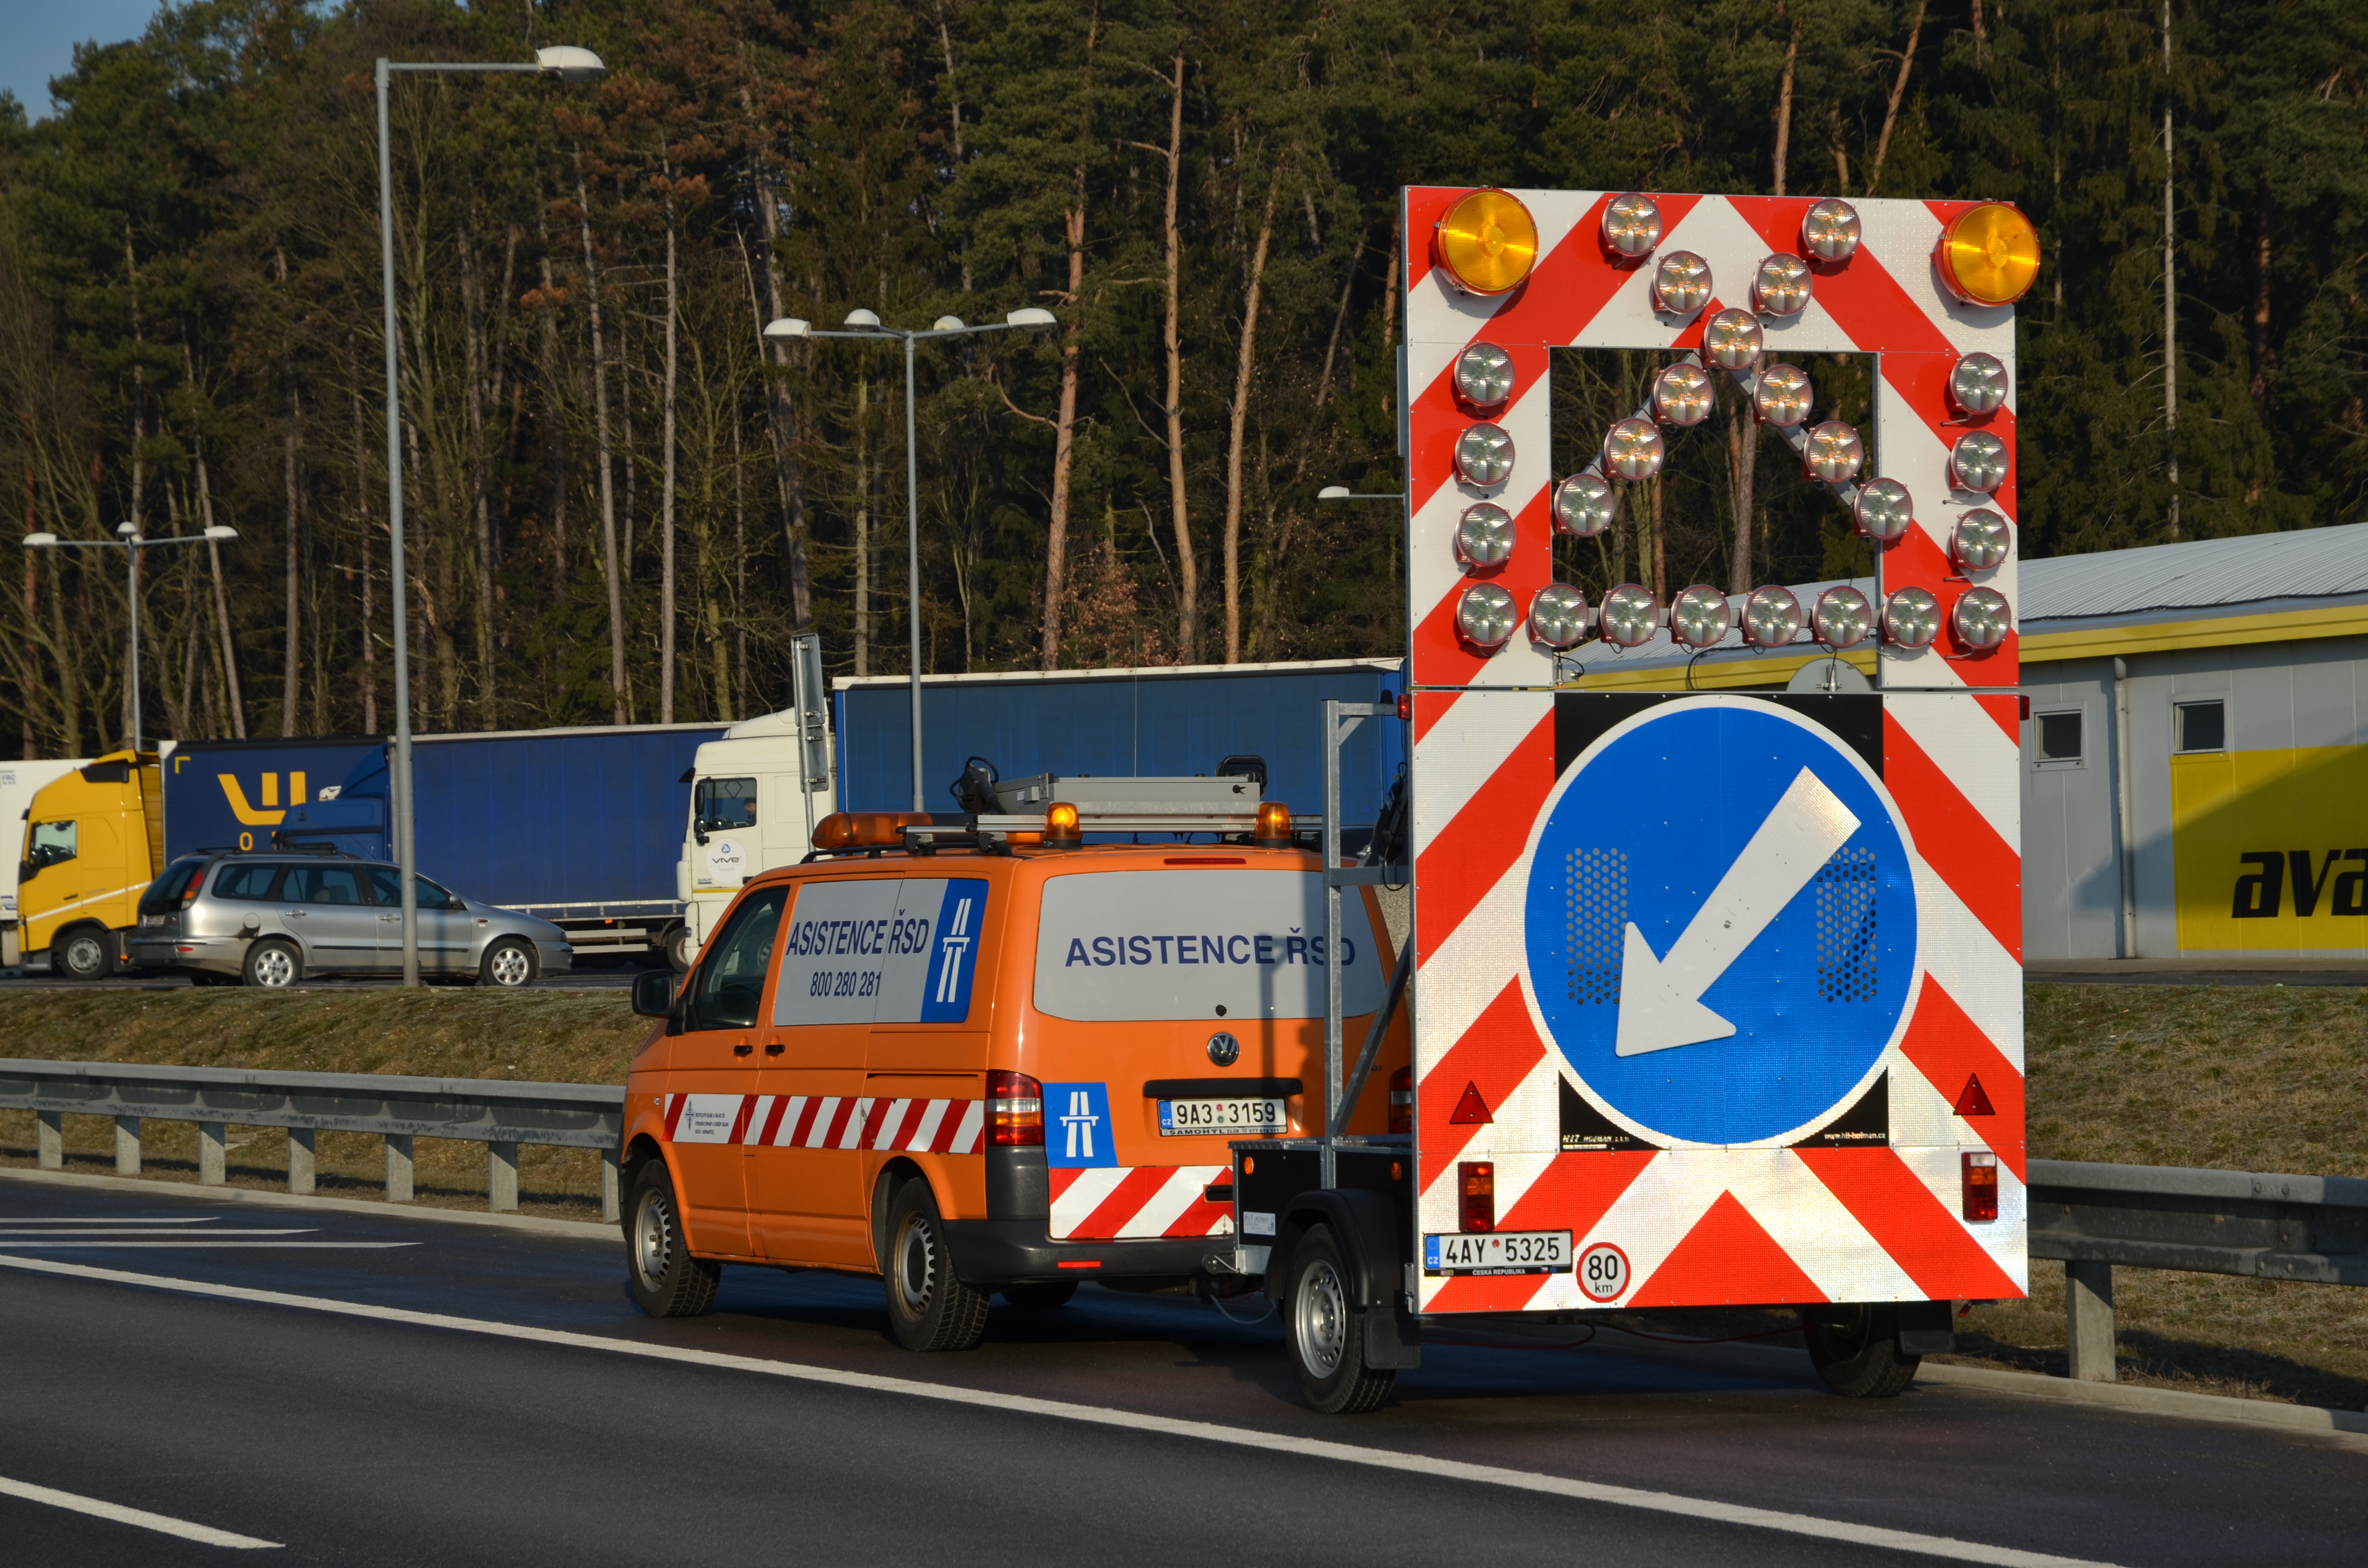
<point x="398" y="1168"/>
<point x="300" y="1159"/>
<point x="2088" y="1319"/>
<point x="609" y="1208"/>
<point x="213" y="1153"/>
<point x="501" y="1177"/>
<point x="50" y="1139"/>
<point x="127" y="1145"/>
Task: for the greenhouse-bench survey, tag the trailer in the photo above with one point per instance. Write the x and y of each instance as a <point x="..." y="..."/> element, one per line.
<point x="1716" y="996"/>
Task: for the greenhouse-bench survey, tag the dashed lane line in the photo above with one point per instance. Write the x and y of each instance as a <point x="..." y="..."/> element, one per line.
<point x="1698" y="1508"/>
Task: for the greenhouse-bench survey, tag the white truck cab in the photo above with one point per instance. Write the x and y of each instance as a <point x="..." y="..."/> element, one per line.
<point x="756" y="796"/>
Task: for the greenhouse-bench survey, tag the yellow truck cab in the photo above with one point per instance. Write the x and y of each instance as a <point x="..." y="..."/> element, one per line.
<point x="978" y="1063"/>
<point x="93" y="841"/>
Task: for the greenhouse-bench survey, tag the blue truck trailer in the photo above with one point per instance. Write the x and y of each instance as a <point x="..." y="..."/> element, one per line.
<point x="581" y="827"/>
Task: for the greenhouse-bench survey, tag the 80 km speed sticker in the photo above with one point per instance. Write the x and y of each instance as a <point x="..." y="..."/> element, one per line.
<point x="1603" y="1272"/>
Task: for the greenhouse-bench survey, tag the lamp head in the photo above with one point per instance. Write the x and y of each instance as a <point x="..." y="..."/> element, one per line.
<point x="569" y="63"/>
<point x="40" y="541"/>
<point x="785" y="328"/>
<point x="860" y="317"/>
<point x="1333" y="493"/>
<point x="221" y="531"/>
<point x="948" y="323"/>
<point x="1031" y="315"/>
<point x="126" y="529"/>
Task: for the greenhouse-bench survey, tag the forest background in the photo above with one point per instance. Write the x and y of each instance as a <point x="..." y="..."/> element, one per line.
<point x="622" y="503"/>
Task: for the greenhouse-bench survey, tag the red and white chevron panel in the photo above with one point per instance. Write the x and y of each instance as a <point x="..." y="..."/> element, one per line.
<point x="1131" y="1202"/>
<point x="827" y="1121"/>
<point x="1888" y="301"/>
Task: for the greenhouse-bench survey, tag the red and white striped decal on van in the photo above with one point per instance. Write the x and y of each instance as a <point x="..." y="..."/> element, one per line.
<point x="828" y="1122"/>
<point x="1133" y="1202"/>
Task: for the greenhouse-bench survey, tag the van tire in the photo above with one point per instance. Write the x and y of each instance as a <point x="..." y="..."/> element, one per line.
<point x="272" y="963"/>
<point x="928" y="1309"/>
<point x="1855" y="1348"/>
<point x="1325" y="1334"/>
<point x="665" y="1280"/>
<point x="83" y="952"/>
<point x="1048" y="1296"/>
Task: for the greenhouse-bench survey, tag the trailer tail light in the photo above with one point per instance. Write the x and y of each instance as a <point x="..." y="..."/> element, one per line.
<point x="1981" y="1184"/>
<point x="1274" y="825"/>
<point x="1488" y="240"/>
<point x="1988" y="255"/>
<point x="1015" y="1110"/>
<point x="1060" y="827"/>
<point x="1402" y="1100"/>
<point x="1476" y="1184"/>
<point x="1406" y="705"/>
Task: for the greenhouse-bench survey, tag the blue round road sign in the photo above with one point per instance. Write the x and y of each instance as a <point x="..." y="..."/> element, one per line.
<point x="1721" y="921"/>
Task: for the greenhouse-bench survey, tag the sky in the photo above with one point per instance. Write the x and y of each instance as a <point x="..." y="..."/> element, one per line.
<point x="38" y="37"/>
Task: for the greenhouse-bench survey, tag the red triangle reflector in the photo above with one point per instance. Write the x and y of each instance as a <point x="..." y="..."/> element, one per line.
<point x="1974" y="1101"/>
<point x="1471" y="1109"/>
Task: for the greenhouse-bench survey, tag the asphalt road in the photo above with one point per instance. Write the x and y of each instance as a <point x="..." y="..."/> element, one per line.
<point x="541" y="1420"/>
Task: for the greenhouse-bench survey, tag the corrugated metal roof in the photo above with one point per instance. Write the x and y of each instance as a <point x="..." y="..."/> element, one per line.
<point x="2204" y="573"/>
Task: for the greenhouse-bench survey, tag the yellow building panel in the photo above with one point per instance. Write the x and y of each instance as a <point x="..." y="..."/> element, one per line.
<point x="2269" y="849"/>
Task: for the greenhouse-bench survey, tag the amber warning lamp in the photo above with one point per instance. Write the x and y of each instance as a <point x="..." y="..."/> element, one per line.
<point x="1273" y="830"/>
<point x="1061" y="830"/>
<point x="1988" y="255"/>
<point x="1487" y="242"/>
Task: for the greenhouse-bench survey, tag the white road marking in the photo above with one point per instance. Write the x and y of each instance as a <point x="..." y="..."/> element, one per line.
<point x="10" y="1230"/>
<point x="1102" y="1415"/>
<point x="82" y="1221"/>
<point x="204" y="1534"/>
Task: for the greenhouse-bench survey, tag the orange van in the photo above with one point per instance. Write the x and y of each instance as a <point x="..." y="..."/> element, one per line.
<point x="988" y="1070"/>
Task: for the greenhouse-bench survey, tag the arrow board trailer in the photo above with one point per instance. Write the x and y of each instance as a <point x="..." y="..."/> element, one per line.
<point x="1720" y="995"/>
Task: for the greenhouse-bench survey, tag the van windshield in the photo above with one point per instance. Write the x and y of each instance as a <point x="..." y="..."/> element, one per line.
<point x="1127" y="946"/>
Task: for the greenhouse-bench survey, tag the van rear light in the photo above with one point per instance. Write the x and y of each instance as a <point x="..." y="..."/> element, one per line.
<point x="1476" y="1183"/>
<point x="1981" y="1184"/>
<point x="1015" y="1110"/>
<point x="1402" y="1100"/>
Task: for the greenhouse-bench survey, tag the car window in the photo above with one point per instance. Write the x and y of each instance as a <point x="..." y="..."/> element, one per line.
<point x="433" y="897"/>
<point x="730" y="983"/>
<point x="719" y="805"/>
<point x="322" y="884"/>
<point x="246" y="878"/>
<point x="49" y="843"/>
<point x="387" y="891"/>
<point x="177" y="882"/>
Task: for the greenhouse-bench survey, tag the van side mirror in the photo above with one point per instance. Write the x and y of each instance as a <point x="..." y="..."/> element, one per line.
<point x="653" y="994"/>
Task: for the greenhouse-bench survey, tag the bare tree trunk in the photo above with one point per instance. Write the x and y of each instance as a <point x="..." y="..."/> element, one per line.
<point x="1660" y="545"/>
<point x="1246" y="365"/>
<point x="1339" y="320"/>
<point x="608" y="476"/>
<point x="1841" y="154"/>
<point x="2258" y="323"/>
<point x="554" y="435"/>
<point x="1187" y="610"/>
<point x="369" y="610"/>
<point x="1742" y="466"/>
<point x="213" y="559"/>
<point x="739" y="575"/>
<point x="1898" y="92"/>
<point x="946" y="42"/>
<point x="779" y="417"/>
<point x="140" y="470"/>
<point x="289" y="664"/>
<point x="1784" y="101"/>
<point x="1064" y="430"/>
<point x="666" y="480"/>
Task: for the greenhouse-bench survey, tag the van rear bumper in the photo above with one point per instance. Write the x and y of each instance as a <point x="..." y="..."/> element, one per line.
<point x="1014" y="1252"/>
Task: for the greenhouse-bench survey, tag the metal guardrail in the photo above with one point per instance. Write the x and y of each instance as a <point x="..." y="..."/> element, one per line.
<point x="498" y="1114"/>
<point x="2268" y="1227"/>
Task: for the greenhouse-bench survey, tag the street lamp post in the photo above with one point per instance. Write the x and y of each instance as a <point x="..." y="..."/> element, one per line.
<point x="564" y="63"/>
<point x="132" y="543"/>
<point x="867" y="326"/>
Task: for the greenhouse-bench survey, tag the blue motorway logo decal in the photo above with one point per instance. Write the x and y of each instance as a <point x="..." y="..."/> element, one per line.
<point x="1721" y="922"/>
<point x="1077" y="1125"/>
<point x="953" y="958"/>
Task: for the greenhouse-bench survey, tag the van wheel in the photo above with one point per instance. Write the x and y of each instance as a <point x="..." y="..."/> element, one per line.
<point x="927" y="1307"/>
<point x="1045" y="1297"/>
<point x="667" y="1281"/>
<point x="1855" y="1347"/>
<point x="87" y="953"/>
<point x="273" y="963"/>
<point x="1326" y="1335"/>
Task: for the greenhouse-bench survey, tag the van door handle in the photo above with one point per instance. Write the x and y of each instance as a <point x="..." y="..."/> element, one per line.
<point x="775" y="1049"/>
<point x="742" y="1048"/>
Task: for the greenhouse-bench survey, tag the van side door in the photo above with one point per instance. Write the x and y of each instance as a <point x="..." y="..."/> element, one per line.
<point x="712" y="1073"/>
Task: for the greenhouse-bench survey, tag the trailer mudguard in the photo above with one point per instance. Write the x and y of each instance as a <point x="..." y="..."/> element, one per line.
<point x="1373" y="1245"/>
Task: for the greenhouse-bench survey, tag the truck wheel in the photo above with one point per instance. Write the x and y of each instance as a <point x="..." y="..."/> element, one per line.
<point x="1855" y="1347"/>
<point x="1326" y="1335"/>
<point x="1048" y="1296"/>
<point x="509" y="964"/>
<point x="273" y="963"/>
<point x="927" y="1308"/>
<point x="675" y="945"/>
<point x="88" y="952"/>
<point x="667" y="1281"/>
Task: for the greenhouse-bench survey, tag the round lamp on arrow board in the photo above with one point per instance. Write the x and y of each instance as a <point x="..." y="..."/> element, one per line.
<point x="1911" y="619"/>
<point x="1632" y="449"/>
<point x="1977" y="385"/>
<point x="1885" y="510"/>
<point x="1632" y="226"/>
<point x="1781" y="287"/>
<point x="1682" y="395"/>
<point x="1731" y="341"/>
<point x="1628" y="616"/>
<point x="1558" y="615"/>
<point x="1484" y="376"/>
<point x="1829" y="230"/>
<point x="1484" y="538"/>
<point x="1700" y="617"/>
<point x="1835" y="453"/>
<point x="1782" y="396"/>
<point x="1980" y="540"/>
<point x="1988" y="255"/>
<point x="1486" y="616"/>
<point x="1681" y="283"/>
<point x="1843" y="619"/>
<point x="1582" y="506"/>
<point x="1772" y="617"/>
<point x="1483" y="455"/>
<point x="1981" y="620"/>
<point x="1487" y="242"/>
<point x="1977" y="462"/>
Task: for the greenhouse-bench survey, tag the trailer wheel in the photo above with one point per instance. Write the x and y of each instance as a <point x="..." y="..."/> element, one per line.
<point x="675" y="945"/>
<point x="88" y="952"/>
<point x="1855" y="1347"/>
<point x="1327" y="1333"/>
<point x="667" y="1281"/>
<point x="928" y="1309"/>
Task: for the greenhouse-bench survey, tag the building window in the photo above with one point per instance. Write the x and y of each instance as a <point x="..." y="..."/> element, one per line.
<point x="2059" y="739"/>
<point x="2202" y="726"/>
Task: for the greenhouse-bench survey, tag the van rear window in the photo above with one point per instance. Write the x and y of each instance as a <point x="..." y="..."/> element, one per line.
<point x="1137" y="946"/>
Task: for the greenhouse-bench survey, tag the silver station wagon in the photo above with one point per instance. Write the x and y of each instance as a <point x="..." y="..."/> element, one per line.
<point x="229" y="918"/>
